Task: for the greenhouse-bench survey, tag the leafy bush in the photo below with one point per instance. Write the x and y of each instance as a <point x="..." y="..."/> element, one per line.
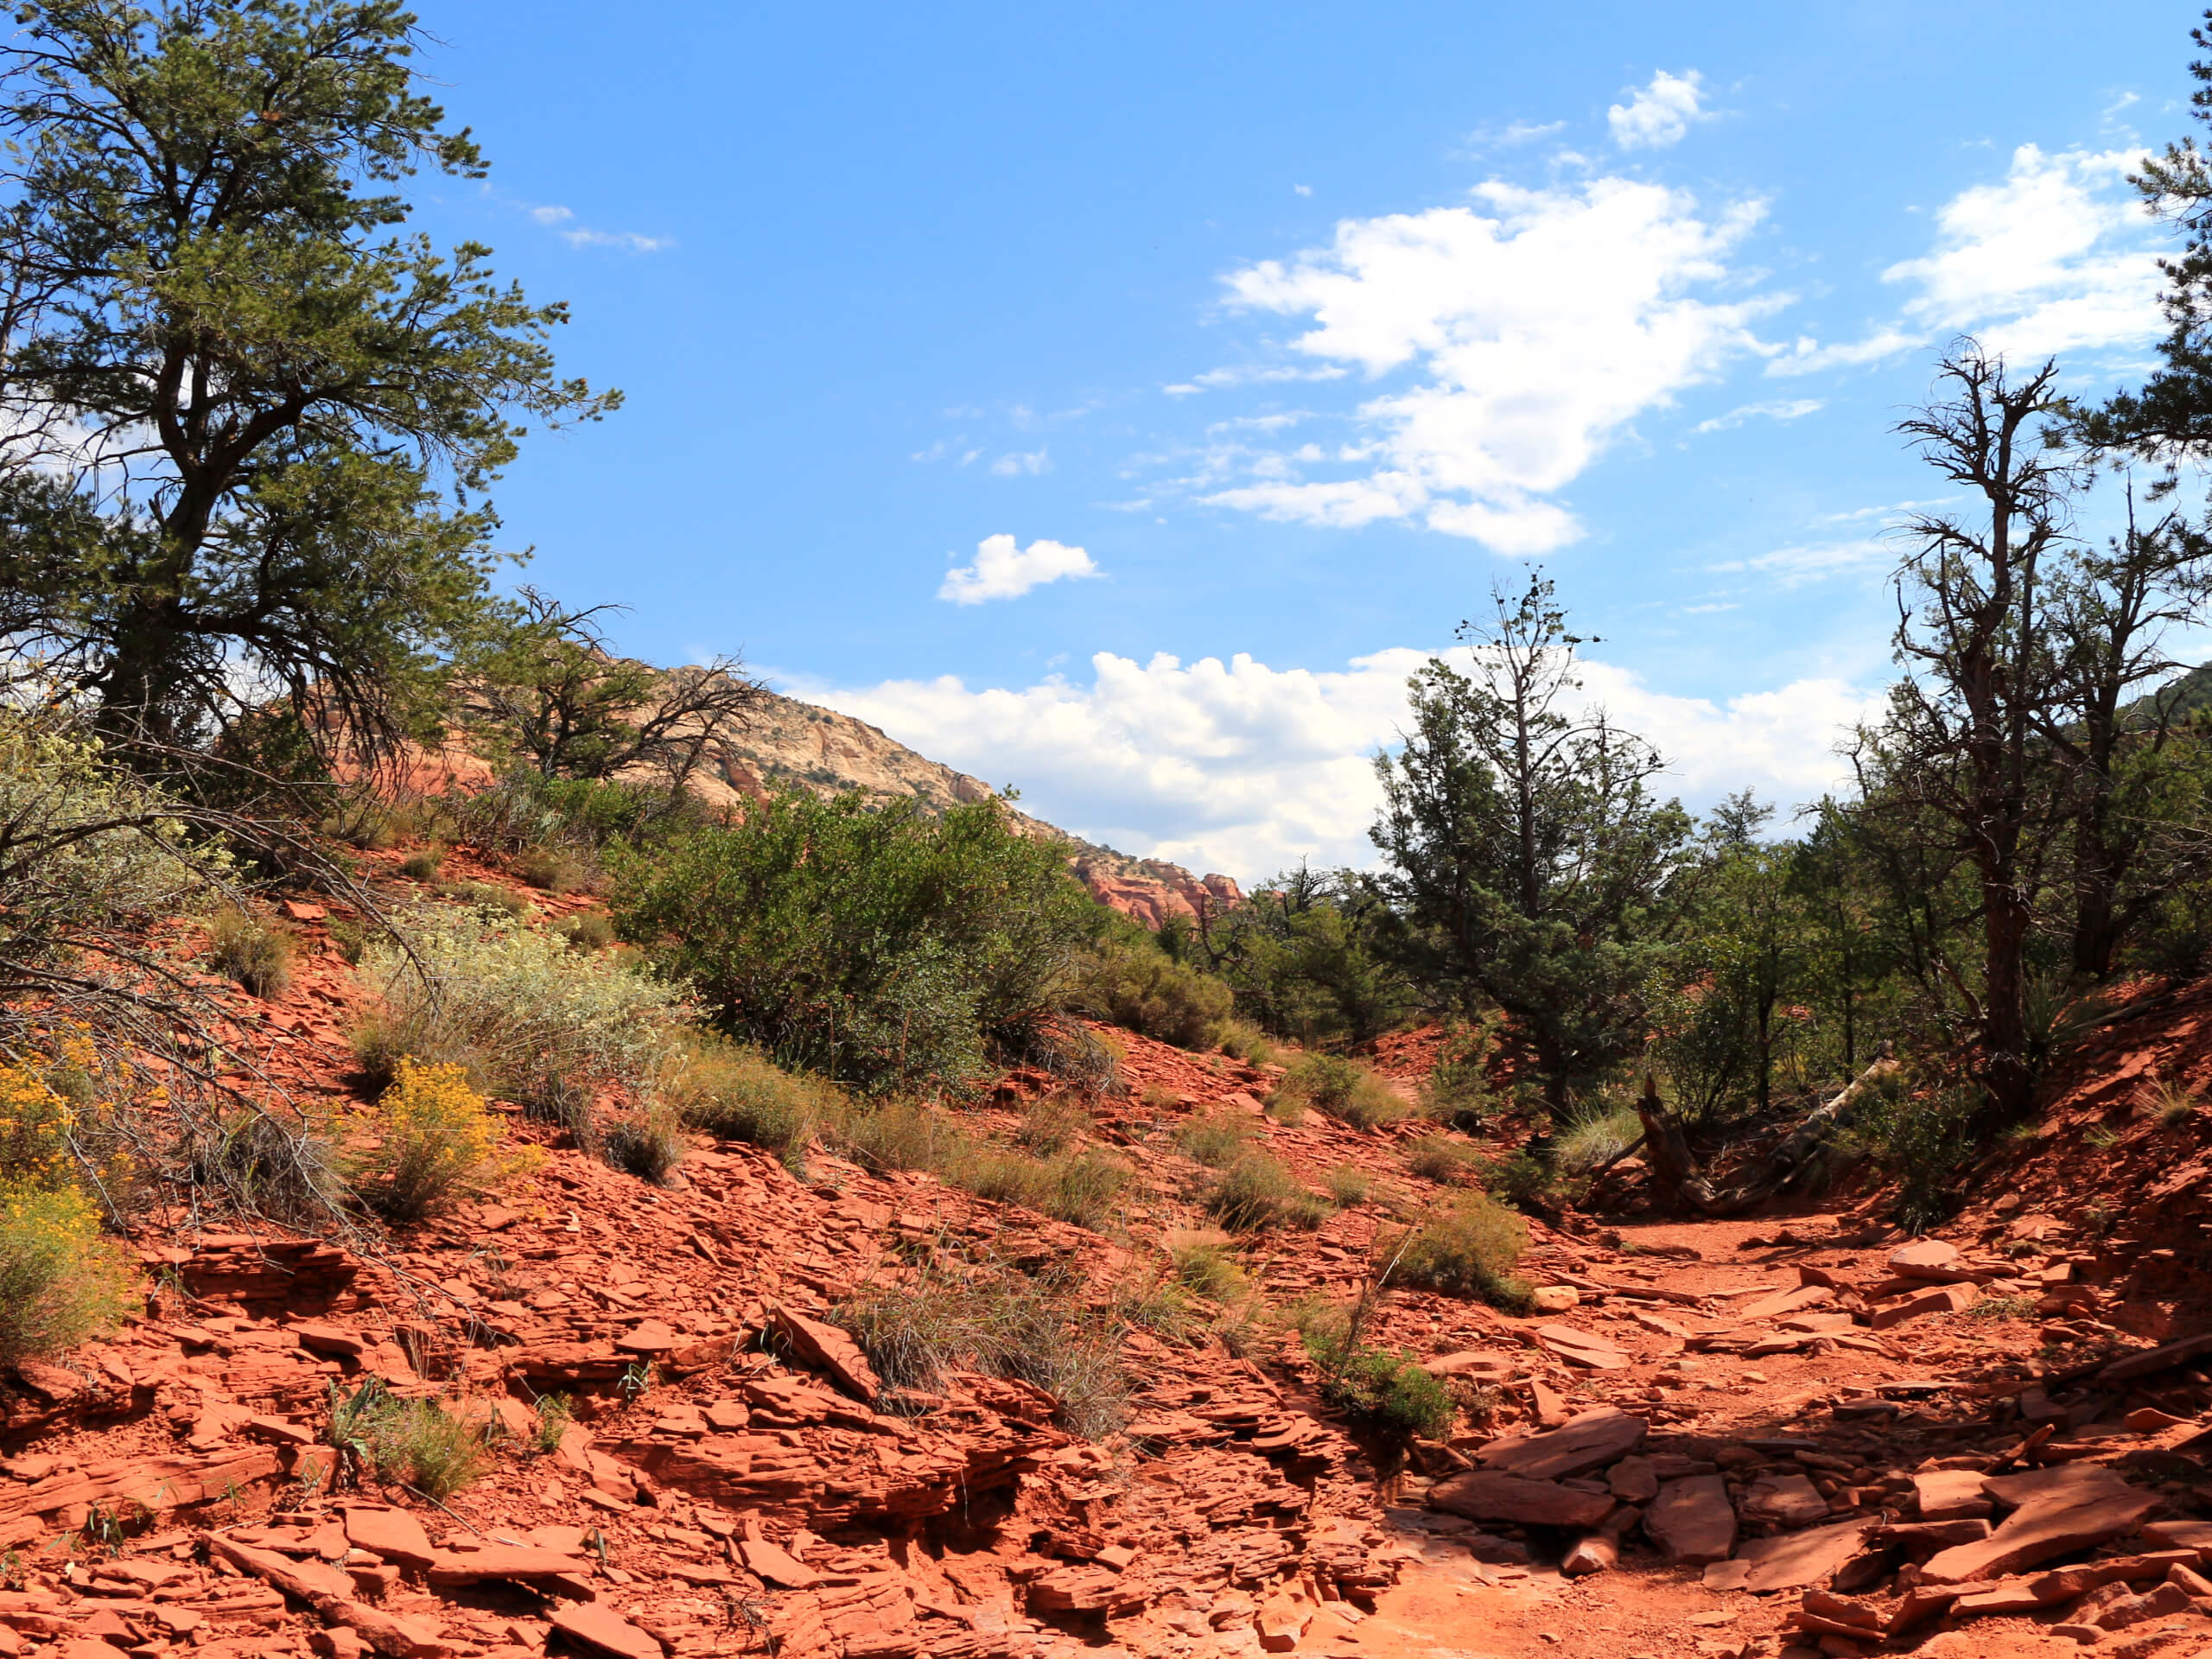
<point x="879" y="945"/>
<point x="256" y="954"/>
<point x="1349" y="1186"/>
<point x="1387" y="1395"/>
<point x="1217" y="1140"/>
<point x="434" y="1143"/>
<point x="998" y="1320"/>
<point x="646" y="1141"/>
<point x="1137" y="985"/>
<point x="1521" y="1180"/>
<point x="1257" y="1193"/>
<point x="61" y="1282"/>
<point x="421" y="1445"/>
<point x="738" y="1093"/>
<point x="1341" y="1089"/>
<point x="1922" y="1138"/>
<point x="530" y="1020"/>
<point x="1457" y="1091"/>
<point x="1470" y="1248"/>
<point x="1440" y="1159"/>
<point x="1242" y="1041"/>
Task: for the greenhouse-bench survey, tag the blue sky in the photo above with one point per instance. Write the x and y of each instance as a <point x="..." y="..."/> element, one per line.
<point x="1118" y="401"/>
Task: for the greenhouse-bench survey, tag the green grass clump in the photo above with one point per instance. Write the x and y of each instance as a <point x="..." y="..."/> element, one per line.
<point x="1596" y="1137"/>
<point x="646" y="1141"/>
<point x="550" y="869"/>
<point x="1208" y="1268"/>
<point x="1242" y="1041"/>
<point x="489" y="895"/>
<point x="1349" y="1186"/>
<point x="1052" y="1125"/>
<point x="255" y="953"/>
<point x="735" y="1092"/>
<point x="1470" y="1249"/>
<point x="1258" y="1192"/>
<point x="1216" y="1140"/>
<point x="1439" y="1158"/>
<point x="424" y="865"/>
<point x="421" y="1445"/>
<point x="1342" y="1089"/>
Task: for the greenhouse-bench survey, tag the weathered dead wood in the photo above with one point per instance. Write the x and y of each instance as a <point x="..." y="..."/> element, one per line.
<point x="1676" y="1169"/>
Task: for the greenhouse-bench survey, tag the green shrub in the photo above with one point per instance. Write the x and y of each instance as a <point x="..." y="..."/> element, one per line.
<point x="489" y="895"/>
<point x="550" y="869"/>
<point x="530" y="1020"/>
<point x="1257" y="1193"/>
<point x="738" y="1093"/>
<point x="1349" y="1186"/>
<point x="1457" y="1091"/>
<point x="1341" y="1089"/>
<point x="1922" y="1138"/>
<point x="1522" y="1180"/>
<point x="424" y="865"/>
<point x="1038" y="1328"/>
<point x="1051" y="1124"/>
<point x="875" y="943"/>
<point x="1137" y="985"/>
<point x="646" y="1141"/>
<point x="61" y="1282"/>
<point x="1470" y="1249"/>
<point x="1243" y="1041"/>
<point x="421" y="1445"/>
<point x="432" y="1144"/>
<point x="1389" y="1395"/>
<point x="586" y="931"/>
<point x="1210" y="1269"/>
<point x="256" y="954"/>
<point x="1439" y="1158"/>
<point x="1217" y="1140"/>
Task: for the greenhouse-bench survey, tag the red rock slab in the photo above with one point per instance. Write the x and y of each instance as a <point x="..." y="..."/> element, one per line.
<point x="391" y="1534"/>
<point x="1951" y="1494"/>
<point x="522" y="1562"/>
<point x="1787" y="1301"/>
<point x="649" y="1339"/>
<point x="1487" y="1495"/>
<point x="775" y="1564"/>
<point x="1923" y="1257"/>
<point x="1692" y="1521"/>
<point x="1937" y="1299"/>
<point x="1584" y="1347"/>
<point x="826" y="1349"/>
<point x="2178" y="1535"/>
<point x="602" y="1629"/>
<point x="2073" y="1506"/>
<point x="1472" y="1360"/>
<point x="1785" y="1500"/>
<point x="1797" y="1561"/>
<point x="319" y="1338"/>
<point x="1591" y="1439"/>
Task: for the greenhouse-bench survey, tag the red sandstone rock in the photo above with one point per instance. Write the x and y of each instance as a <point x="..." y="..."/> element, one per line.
<point x="1488" y="1495"/>
<point x="1692" y="1521"/>
<point x="1937" y="1299"/>
<point x="602" y="1629"/>
<point x="2071" y="1507"/>
<point x="829" y="1349"/>
<point x="1589" y="1440"/>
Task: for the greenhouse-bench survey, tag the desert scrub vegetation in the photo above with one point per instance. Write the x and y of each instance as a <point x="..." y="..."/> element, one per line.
<point x="255" y="952"/>
<point x="1243" y="1041"/>
<point x="646" y="1140"/>
<point x="1208" y="1268"/>
<point x="1341" y="1089"/>
<point x="1440" y="1159"/>
<point x="430" y="1143"/>
<point x="1468" y="1248"/>
<point x="1257" y="1193"/>
<point x="1457" y="1091"/>
<point x="1000" y="1320"/>
<point x="1075" y="1185"/>
<point x="1601" y="1133"/>
<point x="1217" y="1140"/>
<point x="527" y="1018"/>
<point x="1348" y="1185"/>
<point x="62" y="1280"/>
<point x="1387" y="1396"/>
<point x="423" y="1444"/>
<point x="885" y="948"/>
<point x="735" y="1092"/>
<point x="1050" y="1124"/>
<point x="1127" y="980"/>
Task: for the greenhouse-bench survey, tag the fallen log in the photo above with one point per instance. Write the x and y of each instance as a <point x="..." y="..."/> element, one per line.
<point x="1676" y="1169"/>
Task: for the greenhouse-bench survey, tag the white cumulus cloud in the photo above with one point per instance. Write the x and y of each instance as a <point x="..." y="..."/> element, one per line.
<point x="1003" y="571"/>
<point x="1659" y="114"/>
<point x="1245" y="768"/>
<point x="1539" y="323"/>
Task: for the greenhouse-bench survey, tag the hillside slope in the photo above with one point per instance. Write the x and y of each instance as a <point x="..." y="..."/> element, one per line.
<point x="788" y="744"/>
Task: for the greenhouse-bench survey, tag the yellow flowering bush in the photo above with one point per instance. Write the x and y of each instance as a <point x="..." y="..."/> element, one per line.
<point x="60" y="1280"/>
<point x="35" y="1125"/>
<point x="433" y="1143"/>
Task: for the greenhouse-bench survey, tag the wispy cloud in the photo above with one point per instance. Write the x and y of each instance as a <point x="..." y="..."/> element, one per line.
<point x="1794" y="566"/>
<point x="561" y="221"/>
<point x="1791" y="409"/>
<point x="1004" y="570"/>
<point x="1022" y="462"/>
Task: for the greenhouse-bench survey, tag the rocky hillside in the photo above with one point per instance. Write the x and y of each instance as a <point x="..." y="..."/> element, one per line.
<point x="789" y="744"/>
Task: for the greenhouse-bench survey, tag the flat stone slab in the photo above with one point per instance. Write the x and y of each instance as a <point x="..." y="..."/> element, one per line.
<point x="1692" y="1521"/>
<point x="1923" y="1256"/>
<point x="1590" y="1439"/>
<point x="1486" y="1495"/>
<point x="1797" y="1561"/>
<point x="1937" y="1299"/>
<point x="1584" y="1347"/>
<point x="2071" y="1507"/>
<point x="1788" y="1301"/>
<point x="1951" y="1494"/>
<point x="1784" y="1500"/>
